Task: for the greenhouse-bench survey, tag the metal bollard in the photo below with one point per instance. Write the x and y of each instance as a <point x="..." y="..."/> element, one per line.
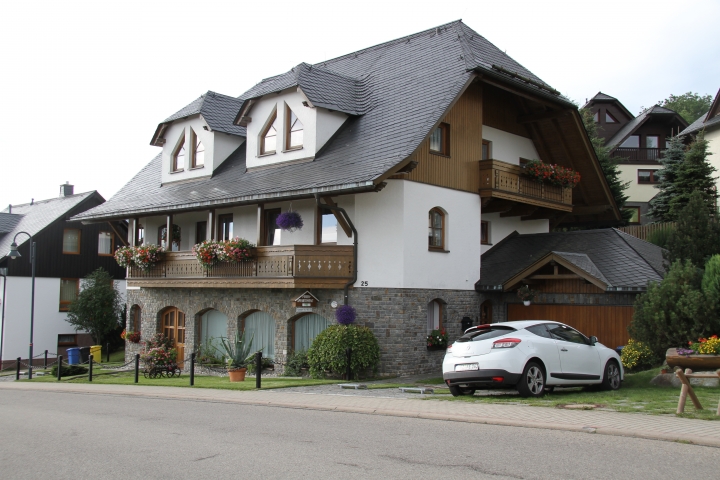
<point x="107" y="355"/>
<point x="45" y="364"/>
<point x="348" y="373"/>
<point x="17" y="370"/>
<point x="90" y="362"/>
<point x="258" y="369"/>
<point x="59" y="364"/>
<point x="137" y="366"/>
<point x="192" y="369"/>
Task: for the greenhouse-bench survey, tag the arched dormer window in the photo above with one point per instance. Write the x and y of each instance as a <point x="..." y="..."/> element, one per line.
<point x="436" y="229"/>
<point x="293" y="130"/>
<point x="268" y="137"/>
<point x="178" y="156"/>
<point x="198" y="157"/>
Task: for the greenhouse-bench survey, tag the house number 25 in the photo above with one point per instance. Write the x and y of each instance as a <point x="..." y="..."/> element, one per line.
<point x="363" y="283"/>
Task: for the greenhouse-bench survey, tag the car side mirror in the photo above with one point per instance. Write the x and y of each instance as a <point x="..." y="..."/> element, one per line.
<point x="593" y="340"/>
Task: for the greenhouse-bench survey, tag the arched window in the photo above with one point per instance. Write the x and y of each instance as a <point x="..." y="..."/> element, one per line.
<point x="268" y="138"/>
<point x="293" y="131"/>
<point x="178" y="156"/>
<point x="213" y="325"/>
<point x="306" y="328"/>
<point x="198" y="158"/>
<point x="134" y="323"/>
<point x="261" y="327"/>
<point x="436" y="229"/>
<point x="434" y="316"/>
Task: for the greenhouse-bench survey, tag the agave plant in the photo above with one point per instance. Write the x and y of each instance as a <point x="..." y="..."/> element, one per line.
<point x="239" y="352"/>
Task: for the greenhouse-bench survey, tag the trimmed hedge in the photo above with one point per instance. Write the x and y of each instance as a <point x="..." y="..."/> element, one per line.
<point x="327" y="352"/>
<point x="69" y="370"/>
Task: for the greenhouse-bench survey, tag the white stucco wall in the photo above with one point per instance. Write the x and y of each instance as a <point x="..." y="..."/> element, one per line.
<point x="713" y="138"/>
<point x="500" y="228"/>
<point x="635" y="191"/>
<point x="509" y="147"/>
<point x="49" y="322"/>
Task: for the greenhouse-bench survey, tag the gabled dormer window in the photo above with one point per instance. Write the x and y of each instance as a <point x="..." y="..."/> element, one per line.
<point x="268" y="137"/>
<point x="293" y="131"/>
<point x="198" y="157"/>
<point x="178" y="156"/>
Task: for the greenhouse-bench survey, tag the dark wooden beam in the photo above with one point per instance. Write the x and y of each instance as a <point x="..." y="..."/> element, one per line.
<point x="568" y="155"/>
<point x="123" y="238"/>
<point x="537" y="117"/>
<point x="340" y="219"/>
<point x="541" y="214"/>
<point x="591" y="210"/>
<point x="497" y="206"/>
<point x="519" y="210"/>
<point x="561" y="276"/>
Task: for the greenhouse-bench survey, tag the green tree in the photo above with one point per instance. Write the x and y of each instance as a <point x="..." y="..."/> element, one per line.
<point x="696" y="236"/>
<point x="660" y="203"/>
<point x="711" y="280"/>
<point x="673" y="311"/>
<point x="694" y="174"/>
<point x="608" y="164"/>
<point x="97" y="309"/>
<point x="688" y="105"/>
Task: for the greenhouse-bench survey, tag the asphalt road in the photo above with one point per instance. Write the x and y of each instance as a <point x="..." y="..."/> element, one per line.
<point x="48" y="435"/>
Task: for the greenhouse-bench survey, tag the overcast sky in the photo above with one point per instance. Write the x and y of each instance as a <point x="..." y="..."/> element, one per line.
<point x="85" y="83"/>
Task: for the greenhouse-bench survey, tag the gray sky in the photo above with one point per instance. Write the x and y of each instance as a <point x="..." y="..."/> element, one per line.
<point x="85" y="83"/>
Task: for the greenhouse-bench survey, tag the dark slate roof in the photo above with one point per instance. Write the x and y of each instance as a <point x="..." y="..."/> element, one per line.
<point x="218" y="111"/>
<point x="627" y="129"/>
<point x="32" y="218"/>
<point x="8" y="221"/>
<point x="402" y="87"/>
<point x="600" y="97"/>
<point x="701" y="123"/>
<point x="616" y="258"/>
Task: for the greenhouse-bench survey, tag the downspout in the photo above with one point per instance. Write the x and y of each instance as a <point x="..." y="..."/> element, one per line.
<point x="355" y="243"/>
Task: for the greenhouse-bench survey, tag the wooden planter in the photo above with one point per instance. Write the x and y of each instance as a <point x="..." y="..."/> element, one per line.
<point x="237" y="375"/>
<point x="695" y="362"/>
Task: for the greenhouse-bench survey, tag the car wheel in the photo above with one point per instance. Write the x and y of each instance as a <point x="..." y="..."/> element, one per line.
<point x="467" y="391"/>
<point x="532" y="381"/>
<point x="611" y="379"/>
<point x="455" y="390"/>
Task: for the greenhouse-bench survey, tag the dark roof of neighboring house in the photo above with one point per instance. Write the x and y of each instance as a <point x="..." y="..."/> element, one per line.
<point x="614" y="257"/>
<point x="33" y="217"/>
<point x="8" y="221"/>
<point x="399" y="91"/>
<point x="628" y="129"/>
<point x="709" y="119"/>
<point x="603" y="97"/>
<point x="218" y="111"/>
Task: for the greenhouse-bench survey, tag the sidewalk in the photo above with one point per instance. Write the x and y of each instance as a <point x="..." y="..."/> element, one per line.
<point x="700" y="432"/>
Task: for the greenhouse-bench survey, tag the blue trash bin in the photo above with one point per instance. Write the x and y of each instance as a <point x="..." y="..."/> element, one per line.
<point x="73" y="356"/>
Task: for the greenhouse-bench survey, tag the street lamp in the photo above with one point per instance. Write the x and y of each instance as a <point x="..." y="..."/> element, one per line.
<point x="3" y="273"/>
<point x="13" y="254"/>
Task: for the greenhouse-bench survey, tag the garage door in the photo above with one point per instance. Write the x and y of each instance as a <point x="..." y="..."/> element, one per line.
<point x="608" y="324"/>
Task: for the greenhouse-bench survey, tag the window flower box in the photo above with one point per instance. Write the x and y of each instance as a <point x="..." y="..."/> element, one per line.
<point x="552" y="174"/>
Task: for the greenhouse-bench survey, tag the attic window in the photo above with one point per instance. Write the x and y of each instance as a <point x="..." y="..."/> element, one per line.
<point x="596" y="117"/>
<point x="198" y="157"/>
<point x="609" y="118"/>
<point x="294" y="131"/>
<point x="440" y="140"/>
<point x="178" y="156"/>
<point x="268" y="137"/>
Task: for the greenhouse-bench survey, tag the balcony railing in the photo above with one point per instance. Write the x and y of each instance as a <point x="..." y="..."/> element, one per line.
<point x="639" y="154"/>
<point x="506" y="181"/>
<point x="277" y="266"/>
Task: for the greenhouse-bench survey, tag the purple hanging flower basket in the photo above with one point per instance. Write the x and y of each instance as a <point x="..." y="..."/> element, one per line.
<point x="345" y="314"/>
<point x="289" y="221"/>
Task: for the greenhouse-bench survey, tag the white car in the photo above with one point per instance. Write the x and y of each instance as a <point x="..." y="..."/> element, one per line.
<point x="531" y="355"/>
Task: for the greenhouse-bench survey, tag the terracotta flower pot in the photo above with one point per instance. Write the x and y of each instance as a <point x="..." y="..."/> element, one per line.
<point x="237" y="375"/>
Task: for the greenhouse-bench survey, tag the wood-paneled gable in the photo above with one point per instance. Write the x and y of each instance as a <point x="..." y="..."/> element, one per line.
<point x="500" y="110"/>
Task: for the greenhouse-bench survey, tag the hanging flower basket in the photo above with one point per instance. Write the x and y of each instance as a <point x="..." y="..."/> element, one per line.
<point x="345" y="314"/>
<point x="289" y="221"/>
<point x="552" y="174"/>
<point x="526" y="295"/>
<point x="133" y="337"/>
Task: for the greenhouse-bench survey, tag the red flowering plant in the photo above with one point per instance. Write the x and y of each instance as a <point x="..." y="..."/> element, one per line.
<point x="237" y="250"/>
<point x="552" y="174"/>
<point x="706" y="346"/>
<point x="133" y="337"/>
<point x="208" y="252"/>
<point x="159" y="352"/>
<point x="145" y="256"/>
<point x="124" y="256"/>
<point x="437" y="338"/>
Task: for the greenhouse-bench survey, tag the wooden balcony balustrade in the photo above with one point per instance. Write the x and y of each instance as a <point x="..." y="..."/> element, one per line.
<point x="287" y="266"/>
<point x="507" y="181"/>
<point x="639" y="154"/>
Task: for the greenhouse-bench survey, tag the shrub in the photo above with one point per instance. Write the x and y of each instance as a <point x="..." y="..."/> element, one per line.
<point x="69" y="370"/>
<point x="637" y="356"/>
<point x="661" y="237"/>
<point x="327" y="352"/>
<point x="295" y="362"/>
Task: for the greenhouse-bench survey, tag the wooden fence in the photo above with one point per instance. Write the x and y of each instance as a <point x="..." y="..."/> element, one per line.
<point x="644" y="231"/>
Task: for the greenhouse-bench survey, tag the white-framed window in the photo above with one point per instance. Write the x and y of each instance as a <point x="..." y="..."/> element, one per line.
<point x="198" y="156"/>
<point x="178" y="156"/>
<point x="269" y="134"/>
<point x="294" y="130"/>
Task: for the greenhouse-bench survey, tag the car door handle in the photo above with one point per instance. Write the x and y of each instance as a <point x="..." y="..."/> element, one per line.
<point x="563" y="349"/>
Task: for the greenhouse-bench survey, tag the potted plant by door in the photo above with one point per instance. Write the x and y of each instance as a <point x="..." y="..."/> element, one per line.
<point x="239" y="354"/>
<point x="526" y="295"/>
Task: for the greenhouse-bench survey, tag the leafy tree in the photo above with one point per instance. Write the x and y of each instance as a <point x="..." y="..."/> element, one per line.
<point x="608" y="164"/>
<point x="97" y="309"/>
<point x="694" y="174"/>
<point x="674" y="311"/>
<point x="696" y="236"/>
<point x="660" y="203"/>
<point x="711" y="280"/>
<point x="688" y="105"/>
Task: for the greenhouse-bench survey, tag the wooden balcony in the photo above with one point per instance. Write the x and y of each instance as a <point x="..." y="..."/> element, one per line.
<point x="636" y="155"/>
<point x="291" y="266"/>
<point x="500" y="180"/>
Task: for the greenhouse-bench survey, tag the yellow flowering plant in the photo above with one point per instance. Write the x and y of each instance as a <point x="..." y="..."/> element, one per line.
<point x="706" y="346"/>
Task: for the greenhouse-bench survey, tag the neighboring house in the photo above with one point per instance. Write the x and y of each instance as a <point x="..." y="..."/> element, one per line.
<point x="638" y="143"/>
<point x="420" y="140"/>
<point x="587" y="279"/>
<point x="709" y="123"/>
<point x="65" y="253"/>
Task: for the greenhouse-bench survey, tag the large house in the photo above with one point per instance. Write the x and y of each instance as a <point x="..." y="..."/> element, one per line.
<point x="638" y="143"/>
<point x="405" y="162"/>
<point x="66" y="252"/>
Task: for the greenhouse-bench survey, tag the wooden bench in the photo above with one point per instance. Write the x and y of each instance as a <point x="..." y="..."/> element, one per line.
<point x="687" y="389"/>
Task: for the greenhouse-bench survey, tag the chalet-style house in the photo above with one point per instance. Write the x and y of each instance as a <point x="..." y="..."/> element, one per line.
<point x="66" y="252"/>
<point x="588" y="279"/>
<point x="404" y="161"/>
<point x="638" y="143"/>
<point x="709" y="124"/>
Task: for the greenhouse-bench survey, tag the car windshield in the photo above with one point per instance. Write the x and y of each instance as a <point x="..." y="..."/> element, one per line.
<point x="485" y="333"/>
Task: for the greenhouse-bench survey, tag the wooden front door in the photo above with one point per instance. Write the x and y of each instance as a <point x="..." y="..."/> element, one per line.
<point x="608" y="323"/>
<point x="173" y="321"/>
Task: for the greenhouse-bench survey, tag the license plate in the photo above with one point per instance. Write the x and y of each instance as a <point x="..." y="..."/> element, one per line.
<point x="466" y="366"/>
